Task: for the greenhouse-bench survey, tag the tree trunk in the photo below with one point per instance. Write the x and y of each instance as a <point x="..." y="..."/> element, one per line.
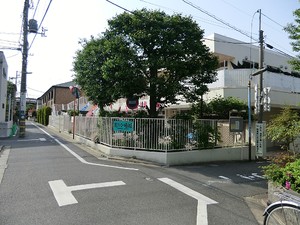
<point x="152" y="95"/>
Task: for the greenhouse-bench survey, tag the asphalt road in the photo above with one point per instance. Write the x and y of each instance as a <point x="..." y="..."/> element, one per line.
<point x="51" y="180"/>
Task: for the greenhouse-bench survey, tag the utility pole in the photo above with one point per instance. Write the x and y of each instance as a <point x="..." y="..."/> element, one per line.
<point x="24" y="70"/>
<point x="261" y="61"/>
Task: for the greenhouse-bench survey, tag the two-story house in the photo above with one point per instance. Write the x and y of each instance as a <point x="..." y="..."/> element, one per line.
<point x="57" y="97"/>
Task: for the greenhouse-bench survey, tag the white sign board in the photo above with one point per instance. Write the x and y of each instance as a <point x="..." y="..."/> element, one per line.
<point x="260" y="139"/>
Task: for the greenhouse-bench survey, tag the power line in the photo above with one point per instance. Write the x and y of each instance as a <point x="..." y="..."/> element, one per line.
<point x="218" y="19"/>
<point x="7" y="33"/>
<point x="41" y="23"/>
<point x="231" y="42"/>
<point x="8" y="41"/>
<point x="272" y="20"/>
<point x="10" y="48"/>
<point x="231" y="26"/>
<point x="197" y="18"/>
<point x="35" y="90"/>
<point x="119" y="6"/>
<point x="37" y="5"/>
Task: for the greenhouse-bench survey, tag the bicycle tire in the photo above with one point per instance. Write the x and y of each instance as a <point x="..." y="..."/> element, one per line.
<point x="282" y="213"/>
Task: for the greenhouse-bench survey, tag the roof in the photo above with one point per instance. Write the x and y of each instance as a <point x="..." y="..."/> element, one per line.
<point x="62" y="85"/>
<point x="66" y="84"/>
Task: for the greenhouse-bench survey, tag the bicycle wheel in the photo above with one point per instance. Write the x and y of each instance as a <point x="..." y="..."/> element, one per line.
<point x="282" y="213"/>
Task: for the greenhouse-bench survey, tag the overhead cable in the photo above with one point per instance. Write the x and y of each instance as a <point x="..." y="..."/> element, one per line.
<point x="41" y="23"/>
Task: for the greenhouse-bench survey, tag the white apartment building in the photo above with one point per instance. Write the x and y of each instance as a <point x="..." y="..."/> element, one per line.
<point x="5" y="125"/>
<point x="235" y="59"/>
<point x="3" y="86"/>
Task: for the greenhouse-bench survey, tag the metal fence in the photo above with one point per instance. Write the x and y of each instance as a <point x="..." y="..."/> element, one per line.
<point x="150" y="134"/>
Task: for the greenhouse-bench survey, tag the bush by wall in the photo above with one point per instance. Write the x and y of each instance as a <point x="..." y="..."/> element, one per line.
<point x="43" y="115"/>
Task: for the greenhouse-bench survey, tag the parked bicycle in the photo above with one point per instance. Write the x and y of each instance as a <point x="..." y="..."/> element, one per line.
<point x="286" y="211"/>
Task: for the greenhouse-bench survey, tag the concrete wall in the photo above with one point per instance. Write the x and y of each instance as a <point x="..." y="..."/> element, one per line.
<point x="176" y="158"/>
<point x="3" y="86"/>
<point x="221" y="45"/>
<point x="5" y="129"/>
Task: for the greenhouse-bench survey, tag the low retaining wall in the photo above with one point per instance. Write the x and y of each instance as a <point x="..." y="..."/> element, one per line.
<point x="176" y="158"/>
<point x="5" y="129"/>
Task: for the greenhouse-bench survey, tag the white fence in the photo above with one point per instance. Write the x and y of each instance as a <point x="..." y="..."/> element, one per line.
<point x="152" y="134"/>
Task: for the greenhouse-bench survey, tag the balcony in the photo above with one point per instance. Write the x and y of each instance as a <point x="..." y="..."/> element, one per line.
<point x="285" y="89"/>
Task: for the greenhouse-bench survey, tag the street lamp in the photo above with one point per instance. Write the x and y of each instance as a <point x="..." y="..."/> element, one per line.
<point x="260" y="71"/>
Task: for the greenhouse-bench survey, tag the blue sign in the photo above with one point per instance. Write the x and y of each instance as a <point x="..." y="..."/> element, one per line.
<point x="190" y="135"/>
<point x="122" y="125"/>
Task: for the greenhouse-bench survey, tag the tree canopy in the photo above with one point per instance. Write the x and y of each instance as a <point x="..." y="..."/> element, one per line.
<point x="146" y="53"/>
<point x="221" y="108"/>
<point x="294" y="33"/>
<point x="284" y="127"/>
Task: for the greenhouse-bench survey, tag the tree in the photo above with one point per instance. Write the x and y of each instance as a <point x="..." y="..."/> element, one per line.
<point x="87" y="66"/>
<point x="294" y="34"/>
<point x="220" y="108"/>
<point x="284" y="127"/>
<point x="151" y="53"/>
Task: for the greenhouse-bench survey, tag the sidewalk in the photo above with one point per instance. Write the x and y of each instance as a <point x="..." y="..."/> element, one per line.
<point x="4" y="152"/>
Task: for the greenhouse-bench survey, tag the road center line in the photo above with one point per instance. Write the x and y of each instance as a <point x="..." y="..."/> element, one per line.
<point x="80" y="158"/>
<point x="203" y="201"/>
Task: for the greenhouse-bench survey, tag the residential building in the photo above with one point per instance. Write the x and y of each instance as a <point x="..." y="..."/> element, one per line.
<point x="238" y="60"/>
<point x="57" y="97"/>
<point x="5" y="121"/>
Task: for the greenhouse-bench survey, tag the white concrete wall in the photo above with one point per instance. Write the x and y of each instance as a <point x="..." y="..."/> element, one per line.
<point x="3" y="86"/>
<point x="222" y="45"/>
<point x="285" y="90"/>
<point x="176" y="158"/>
<point x="6" y="128"/>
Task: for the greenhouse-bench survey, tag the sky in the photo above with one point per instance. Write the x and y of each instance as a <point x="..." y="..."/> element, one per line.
<point x="68" y="21"/>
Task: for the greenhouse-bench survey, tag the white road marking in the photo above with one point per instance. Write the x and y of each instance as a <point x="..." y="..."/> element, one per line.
<point x="225" y="178"/>
<point x="63" y="193"/>
<point x="256" y="175"/>
<point x="34" y="139"/>
<point x="80" y="158"/>
<point x="245" y="177"/>
<point x="203" y="201"/>
<point x="218" y="181"/>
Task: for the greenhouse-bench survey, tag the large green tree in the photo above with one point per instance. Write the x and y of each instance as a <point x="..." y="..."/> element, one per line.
<point x="87" y="65"/>
<point x="294" y="34"/>
<point x="284" y="127"/>
<point x="148" y="53"/>
<point x="221" y="108"/>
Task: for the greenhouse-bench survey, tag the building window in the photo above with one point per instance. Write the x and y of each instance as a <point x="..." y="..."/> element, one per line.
<point x="4" y="73"/>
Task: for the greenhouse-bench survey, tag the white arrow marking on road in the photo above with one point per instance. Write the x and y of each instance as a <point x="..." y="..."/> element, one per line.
<point x="203" y="201"/>
<point x="63" y="193"/>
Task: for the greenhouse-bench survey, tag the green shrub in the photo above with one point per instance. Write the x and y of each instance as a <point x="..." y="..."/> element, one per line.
<point x="43" y="115"/>
<point x="284" y="170"/>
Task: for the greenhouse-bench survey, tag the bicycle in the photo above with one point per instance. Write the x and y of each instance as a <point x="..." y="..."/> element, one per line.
<point x="286" y="211"/>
